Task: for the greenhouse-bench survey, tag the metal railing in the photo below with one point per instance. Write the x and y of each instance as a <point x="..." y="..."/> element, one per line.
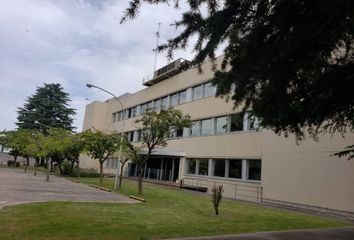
<point x="238" y="191"/>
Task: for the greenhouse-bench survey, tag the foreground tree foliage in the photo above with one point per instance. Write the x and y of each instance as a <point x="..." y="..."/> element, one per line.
<point x="155" y="130"/>
<point x="17" y="141"/>
<point x="101" y="146"/>
<point x="291" y="61"/>
<point x="47" y="108"/>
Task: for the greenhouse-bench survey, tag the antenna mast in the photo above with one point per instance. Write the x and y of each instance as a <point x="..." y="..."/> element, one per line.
<point x="157" y="44"/>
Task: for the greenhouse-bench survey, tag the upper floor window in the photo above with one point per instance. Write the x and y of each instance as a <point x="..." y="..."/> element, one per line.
<point x="207" y="127"/>
<point x="221" y="125"/>
<point x="174" y="100"/>
<point x="150" y="105"/>
<point x="157" y="104"/>
<point x="209" y="90"/>
<point x="182" y="96"/>
<point x="164" y="102"/>
<point x="143" y="108"/>
<point x="195" y="129"/>
<point x="197" y="92"/>
<point x="236" y="122"/>
<point x="134" y="111"/>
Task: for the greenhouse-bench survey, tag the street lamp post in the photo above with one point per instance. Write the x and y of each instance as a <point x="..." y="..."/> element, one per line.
<point x="121" y="138"/>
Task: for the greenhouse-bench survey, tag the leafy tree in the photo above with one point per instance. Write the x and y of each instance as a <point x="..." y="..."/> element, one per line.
<point x="155" y="130"/>
<point x="17" y="141"/>
<point x="48" y="107"/>
<point x="101" y="146"/>
<point x="74" y="145"/>
<point x="130" y="153"/>
<point x="38" y="148"/>
<point x="291" y="61"/>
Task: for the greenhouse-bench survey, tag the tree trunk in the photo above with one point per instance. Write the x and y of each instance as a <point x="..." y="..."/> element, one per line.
<point x="121" y="175"/>
<point x="42" y="162"/>
<point x="48" y="170"/>
<point x="35" y="167"/>
<point x="51" y="166"/>
<point x="60" y="170"/>
<point x="72" y="168"/>
<point x="78" y="168"/>
<point x="101" y="172"/>
<point x="26" y="165"/>
<point x="15" y="160"/>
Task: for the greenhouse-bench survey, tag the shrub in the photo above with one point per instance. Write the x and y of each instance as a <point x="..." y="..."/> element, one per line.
<point x="85" y="173"/>
<point x="66" y="168"/>
<point x="216" y="193"/>
<point x="11" y="163"/>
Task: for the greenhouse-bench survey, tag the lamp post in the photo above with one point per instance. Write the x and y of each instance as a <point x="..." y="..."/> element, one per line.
<point x="121" y="138"/>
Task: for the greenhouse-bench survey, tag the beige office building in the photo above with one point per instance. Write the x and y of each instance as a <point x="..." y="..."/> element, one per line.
<point x="225" y="148"/>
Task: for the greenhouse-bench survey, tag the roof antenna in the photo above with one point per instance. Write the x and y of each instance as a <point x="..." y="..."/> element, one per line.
<point x="157" y="44"/>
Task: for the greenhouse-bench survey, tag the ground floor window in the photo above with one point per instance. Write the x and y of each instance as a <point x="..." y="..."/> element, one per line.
<point x="219" y="168"/>
<point x="203" y="167"/>
<point x="243" y="169"/>
<point x="235" y="168"/>
<point x="254" y="170"/>
<point x="191" y="166"/>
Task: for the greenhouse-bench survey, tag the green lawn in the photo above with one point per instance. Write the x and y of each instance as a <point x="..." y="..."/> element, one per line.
<point x="168" y="213"/>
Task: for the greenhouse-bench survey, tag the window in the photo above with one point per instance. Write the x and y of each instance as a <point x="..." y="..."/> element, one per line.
<point x="128" y="113"/>
<point x="112" y="163"/>
<point x="221" y="125"/>
<point x="182" y="96"/>
<point x="192" y="166"/>
<point x="179" y="132"/>
<point x="236" y="122"/>
<point x="254" y="170"/>
<point x="120" y="116"/>
<point x="157" y="104"/>
<point x="235" y="169"/>
<point x="174" y="100"/>
<point x="252" y="121"/>
<point x="143" y="108"/>
<point x="164" y="102"/>
<point x="108" y="163"/>
<point x="209" y="90"/>
<point x="150" y="105"/>
<point x="134" y="111"/>
<point x="195" y="129"/>
<point x="114" y="117"/>
<point x="219" y="168"/>
<point x="203" y="167"/>
<point x="207" y="127"/>
<point x="130" y="136"/>
<point x="198" y="92"/>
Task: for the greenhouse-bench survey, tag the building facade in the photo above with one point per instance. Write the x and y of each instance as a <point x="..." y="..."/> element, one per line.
<point x="224" y="147"/>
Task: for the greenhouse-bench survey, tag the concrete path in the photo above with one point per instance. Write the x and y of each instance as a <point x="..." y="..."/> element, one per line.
<point x="346" y="233"/>
<point x="17" y="187"/>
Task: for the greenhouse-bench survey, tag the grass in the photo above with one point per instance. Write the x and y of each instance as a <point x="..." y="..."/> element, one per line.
<point x="168" y="213"/>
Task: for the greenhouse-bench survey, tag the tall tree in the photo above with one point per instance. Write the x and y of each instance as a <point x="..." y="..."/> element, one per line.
<point x="101" y="146"/>
<point x="48" y="107"/>
<point x="291" y="61"/>
<point x="155" y="129"/>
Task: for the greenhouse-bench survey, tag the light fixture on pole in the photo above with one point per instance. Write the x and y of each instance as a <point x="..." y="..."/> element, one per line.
<point x="121" y="136"/>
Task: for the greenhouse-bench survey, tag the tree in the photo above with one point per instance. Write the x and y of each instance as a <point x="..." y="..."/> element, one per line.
<point x="38" y="148"/>
<point x="291" y="61"/>
<point x="73" y="147"/>
<point x="130" y="153"/>
<point x="155" y="130"/>
<point x="48" y="107"/>
<point x="101" y="146"/>
<point x="17" y="141"/>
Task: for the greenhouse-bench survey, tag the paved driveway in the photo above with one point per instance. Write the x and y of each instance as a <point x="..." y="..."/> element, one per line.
<point x="17" y="187"/>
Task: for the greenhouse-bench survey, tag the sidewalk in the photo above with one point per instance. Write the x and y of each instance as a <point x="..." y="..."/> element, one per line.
<point x="346" y="233"/>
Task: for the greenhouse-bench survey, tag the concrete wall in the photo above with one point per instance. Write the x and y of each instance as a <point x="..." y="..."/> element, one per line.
<point x="307" y="173"/>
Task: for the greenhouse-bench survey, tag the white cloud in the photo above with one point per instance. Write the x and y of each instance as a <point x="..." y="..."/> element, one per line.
<point x="74" y="43"/>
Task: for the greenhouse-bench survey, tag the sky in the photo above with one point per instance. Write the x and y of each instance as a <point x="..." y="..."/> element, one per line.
<point x="74" y="42"/>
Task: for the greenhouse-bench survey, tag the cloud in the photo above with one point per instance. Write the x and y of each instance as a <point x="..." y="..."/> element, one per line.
<point x="74" y="43"/>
